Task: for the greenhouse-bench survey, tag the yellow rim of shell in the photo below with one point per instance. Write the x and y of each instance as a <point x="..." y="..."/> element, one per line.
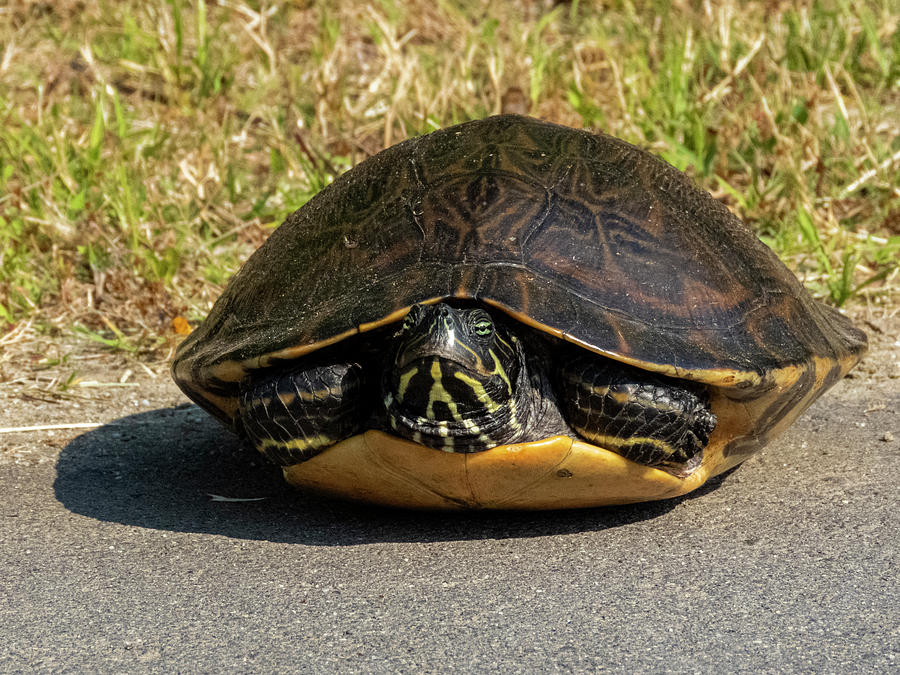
<point x="235" y="371"/>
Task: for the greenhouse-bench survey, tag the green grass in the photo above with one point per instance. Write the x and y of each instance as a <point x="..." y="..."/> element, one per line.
<point x="146" y="148"/>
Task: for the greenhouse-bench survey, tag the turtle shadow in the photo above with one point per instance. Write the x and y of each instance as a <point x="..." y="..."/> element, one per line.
<point x="176" y="469"/>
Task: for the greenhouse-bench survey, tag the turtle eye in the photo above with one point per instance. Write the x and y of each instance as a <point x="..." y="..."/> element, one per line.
<point x="482" y="326"/>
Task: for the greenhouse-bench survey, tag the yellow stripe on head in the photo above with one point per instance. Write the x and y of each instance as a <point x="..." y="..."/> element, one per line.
<point x="480" y="392"/>
<point x="404" y="382"/>
<point x="438" y="393"/>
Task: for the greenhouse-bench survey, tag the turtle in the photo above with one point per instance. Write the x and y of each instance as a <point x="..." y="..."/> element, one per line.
<point x="512" y="314"/>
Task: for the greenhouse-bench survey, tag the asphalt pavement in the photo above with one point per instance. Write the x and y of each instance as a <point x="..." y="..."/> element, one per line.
<point x="122" y="549"/>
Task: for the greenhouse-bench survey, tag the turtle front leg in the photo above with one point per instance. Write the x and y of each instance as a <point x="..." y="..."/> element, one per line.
<point x="650" y="419"/>
<point x="292" y="416"/>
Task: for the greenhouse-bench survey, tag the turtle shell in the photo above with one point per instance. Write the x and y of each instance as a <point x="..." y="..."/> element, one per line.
<point x="581" y="235"/>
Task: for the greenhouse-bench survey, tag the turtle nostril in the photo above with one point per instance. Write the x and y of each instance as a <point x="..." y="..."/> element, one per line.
<point x="444" y="310"/>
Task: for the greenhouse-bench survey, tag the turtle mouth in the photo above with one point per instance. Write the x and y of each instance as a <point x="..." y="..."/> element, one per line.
<point x="447" y="351"/>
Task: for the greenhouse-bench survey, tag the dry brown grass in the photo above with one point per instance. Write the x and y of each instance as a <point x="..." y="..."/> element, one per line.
<point x="147" y="148"/>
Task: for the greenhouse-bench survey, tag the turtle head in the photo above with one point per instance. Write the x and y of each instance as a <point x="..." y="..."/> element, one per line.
<point x="468" y="338"/>
<point x="454" y="370"/>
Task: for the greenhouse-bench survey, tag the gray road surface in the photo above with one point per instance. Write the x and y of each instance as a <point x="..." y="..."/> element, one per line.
<point x="114" y="557"/>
